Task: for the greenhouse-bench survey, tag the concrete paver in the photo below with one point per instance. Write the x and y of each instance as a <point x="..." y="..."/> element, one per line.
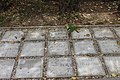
<point x="103" y="32"/>
<point x="33" y="49"/>
<point x="29" y="68"/>
<point x="6" y="67"/>
<point x="88" y="66"/>
<point x="13" y="36"/>
<point x="113" y="64"/>
<point x="50" y="53"/>
<point x="38" y="34"/>
<point x="59" y="67"/>
<point x="82" y="33"/>
<point x="84" y="47"/>
<point x="58" y="48"/>
<point x="109" y="46"/>
<point x="9" y="49"/>
<point x="57" y="33"/>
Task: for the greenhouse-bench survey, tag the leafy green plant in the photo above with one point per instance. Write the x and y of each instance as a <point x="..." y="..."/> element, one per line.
<point x="71" y="27"/>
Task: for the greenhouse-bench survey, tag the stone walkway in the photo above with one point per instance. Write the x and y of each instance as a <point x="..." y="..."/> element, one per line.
<point x="49" y="53"/>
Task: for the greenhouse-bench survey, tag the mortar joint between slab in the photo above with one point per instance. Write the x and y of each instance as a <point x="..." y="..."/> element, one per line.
<point x="73" y="55"/>
<point x="2" y="34"/>
<point x="114" y="32"/>
<point x="99" y="51"/>
<point x="94" y="41"/>
<point x="44" y="72"/>
<point x="17" y="58"/>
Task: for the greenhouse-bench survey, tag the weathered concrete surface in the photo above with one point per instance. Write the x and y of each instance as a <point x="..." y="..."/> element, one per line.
<point x="33" y="49"/>
<point x="6" y="67"/>
<point x="50" y="53"/>
<point x="29" y="68"/>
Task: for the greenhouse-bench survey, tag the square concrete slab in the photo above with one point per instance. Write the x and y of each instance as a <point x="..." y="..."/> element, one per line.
<point x="13" y="36"/>
<point x="9" y="49"/>
<point x="59" y="67"/>
<point x="6" y="67"/>
<point x="109" y="46"/>
<point x="89" y="66"/>
<point x="33" y="49"/>
<point x="83" y="33"/>
<point x="103" y="32"/>
<point x="29" y="68"/>
<point x="113" y="64"/>
<point x="117" y="31"/>
<point x="84" y="47"/>
<point x="58" y="48"/>
<point x="57" y="33"/>
<point x="38" y="34"/>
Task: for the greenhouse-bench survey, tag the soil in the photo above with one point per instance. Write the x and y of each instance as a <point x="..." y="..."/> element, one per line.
<point x="32" y="13"/>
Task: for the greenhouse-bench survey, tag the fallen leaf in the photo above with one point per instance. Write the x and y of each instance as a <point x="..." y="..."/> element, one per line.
<point x="114" y="75"/>
<point x="74" y="78"/>
<point x="118" y="42"/>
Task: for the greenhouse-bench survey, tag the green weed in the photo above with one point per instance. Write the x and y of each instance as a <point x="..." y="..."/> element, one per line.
<point x="71" y="27"/>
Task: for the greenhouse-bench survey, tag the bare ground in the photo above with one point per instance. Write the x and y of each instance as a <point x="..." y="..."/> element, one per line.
<point x="30" y="13"/>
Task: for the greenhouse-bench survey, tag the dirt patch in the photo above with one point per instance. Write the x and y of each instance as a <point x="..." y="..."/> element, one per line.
<point x="27" y="13"/>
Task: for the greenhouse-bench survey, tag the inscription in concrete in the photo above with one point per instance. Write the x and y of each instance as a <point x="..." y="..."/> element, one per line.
<point x="35" y="35"/>
<point x="57" y="33"/>
<point x="88" y="66"/>
<point x="84" y="47"/>
<point x="113" y="64"/>
<point x="58" y="48"/>
<point x="29" y="68"/>
<point x="33" y="49"/>
<point x="13" y="36"/>
<point x="109" y="46"/>
<point x="59" y="67"/>
<point x="103" y="32"/>
<point x="83" y="33"/>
